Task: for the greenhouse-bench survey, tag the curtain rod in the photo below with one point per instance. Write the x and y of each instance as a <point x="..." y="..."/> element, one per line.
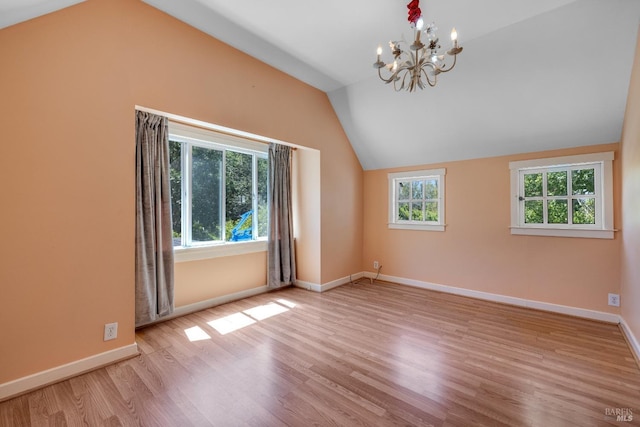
<point x="216" y="128"/>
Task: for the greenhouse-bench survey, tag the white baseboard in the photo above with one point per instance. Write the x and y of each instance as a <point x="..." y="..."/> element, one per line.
<point x="555" y="308"/>
<point x="329" y="285"/>
<point x="60" y="373"/>
<point x="631" y="339"/>
<point x="309" y="286"/>
<point x="203" y="305"/>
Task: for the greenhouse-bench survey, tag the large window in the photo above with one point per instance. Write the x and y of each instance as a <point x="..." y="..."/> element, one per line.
<point x="563" y="196"/>
<point x="416" y="200"/>
<point x="218" y="188"/>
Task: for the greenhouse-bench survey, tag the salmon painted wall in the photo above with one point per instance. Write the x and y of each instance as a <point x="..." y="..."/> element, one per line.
<point x="630" y="280"/>
<point x="478" y="252"/>
<point x="198" y="281"/>
<point x="69" y="83"/>
<point x="306" y="208"/>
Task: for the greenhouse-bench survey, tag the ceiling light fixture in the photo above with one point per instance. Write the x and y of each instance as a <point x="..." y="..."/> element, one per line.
<point x="423" y="61"/>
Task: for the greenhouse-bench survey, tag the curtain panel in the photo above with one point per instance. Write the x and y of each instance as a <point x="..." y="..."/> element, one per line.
<point x="281" y="259"/>
<point x="154" y="244"/>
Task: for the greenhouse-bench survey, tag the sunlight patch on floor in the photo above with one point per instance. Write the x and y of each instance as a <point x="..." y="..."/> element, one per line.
<point x="286" y="302"/>
<point x="262" y="312"/>
<point x="231" y="323"/>
<point x="235" y="321"/>
<point x="196" y="334"/>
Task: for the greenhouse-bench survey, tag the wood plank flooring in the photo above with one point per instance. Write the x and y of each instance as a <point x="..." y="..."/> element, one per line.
<point x="358" y="355"/>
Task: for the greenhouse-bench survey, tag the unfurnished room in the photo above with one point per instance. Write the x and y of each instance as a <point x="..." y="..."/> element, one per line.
<point x="346" y="213"/>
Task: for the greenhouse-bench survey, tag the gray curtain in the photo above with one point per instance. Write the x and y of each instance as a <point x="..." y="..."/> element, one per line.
<point x="154" y="245"/>
<point x="281" y="259"/>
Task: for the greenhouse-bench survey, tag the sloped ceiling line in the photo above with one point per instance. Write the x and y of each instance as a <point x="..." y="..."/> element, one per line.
<point x="530" y="78"/>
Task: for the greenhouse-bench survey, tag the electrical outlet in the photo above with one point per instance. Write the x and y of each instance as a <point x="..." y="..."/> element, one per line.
<point x="376" y="264"/>
<point x="614" y="300"/>
<point x="110" y="331"/>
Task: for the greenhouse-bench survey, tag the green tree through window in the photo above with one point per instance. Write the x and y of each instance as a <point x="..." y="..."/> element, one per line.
<point x="566" y="196"/>
<point x="416" y="200"/>
<point x="242" y="175"/>
<point x="560" y="196"/>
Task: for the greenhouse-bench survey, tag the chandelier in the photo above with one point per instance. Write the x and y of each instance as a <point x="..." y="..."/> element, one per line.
<point x="421" y="65"/>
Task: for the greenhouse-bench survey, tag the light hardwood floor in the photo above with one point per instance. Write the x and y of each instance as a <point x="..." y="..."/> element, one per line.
<point x="362" y="355"/>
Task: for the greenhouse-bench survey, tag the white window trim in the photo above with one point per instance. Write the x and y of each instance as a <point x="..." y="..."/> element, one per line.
<point x="426" y="173"/>
<point x="605" y="231"/>
<point x="196" y="253"/>
<point x="216" y="139"/>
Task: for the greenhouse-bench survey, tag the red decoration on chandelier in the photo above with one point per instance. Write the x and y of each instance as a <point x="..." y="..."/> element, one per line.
<point x="414" y="11"/>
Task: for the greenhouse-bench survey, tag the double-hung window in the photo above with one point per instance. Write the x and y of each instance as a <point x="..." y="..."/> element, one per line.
<point x="218" y="191"/>
<point x="568" y="196"/>
<point x="416" y="200"/>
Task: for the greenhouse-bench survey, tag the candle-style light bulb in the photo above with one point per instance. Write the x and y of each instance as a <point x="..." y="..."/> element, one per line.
<point x="379" y="52"/>
<point x="454" y="35"/>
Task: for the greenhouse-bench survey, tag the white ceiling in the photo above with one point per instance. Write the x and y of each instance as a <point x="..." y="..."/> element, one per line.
<point x="534" y="74"/>
<point x="14" y="11"/>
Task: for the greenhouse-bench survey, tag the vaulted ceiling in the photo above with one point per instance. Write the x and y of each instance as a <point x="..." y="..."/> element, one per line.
<point x="534" y="74"/>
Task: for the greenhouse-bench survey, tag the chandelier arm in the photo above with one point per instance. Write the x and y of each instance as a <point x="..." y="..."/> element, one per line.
<point x="389" y="80"/>
<point x="415" y="73"/>
<point x="442" y="70"/>
<point x="395" y="83"/>
<point x="408" y="79"/>
<point x="403" y="79"/>
<point x="435" y="77"/>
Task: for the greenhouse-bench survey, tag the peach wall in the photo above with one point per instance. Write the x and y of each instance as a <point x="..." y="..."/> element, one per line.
<point x="306" y="207"/>
<point x="66" y="179"/>
<point x="630" y="280"/>
<point x="69" y="83"/>
<point x="478" y="252"/>
<point x="198" y="281"/>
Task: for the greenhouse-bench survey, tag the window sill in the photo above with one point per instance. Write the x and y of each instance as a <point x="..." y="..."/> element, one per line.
<point x="563" y="232"/>
<point x="419" y="227"/>
<point x="219" y="250"/>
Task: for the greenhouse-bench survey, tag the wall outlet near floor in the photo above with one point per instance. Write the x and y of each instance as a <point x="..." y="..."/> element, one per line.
<point x="110" y="331"/>
<point x="376" y="264"/>
<point x="614" y="300"/>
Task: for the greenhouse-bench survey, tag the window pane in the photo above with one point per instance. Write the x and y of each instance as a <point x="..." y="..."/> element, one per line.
<point x="533" y="185"/>
<point x="416" y="211"/>
<point x="175" y="180"/>
<point x="558" y="211"/>
<point x="403" y="211"/>
<point x="263" y="185"/>
<point x="583" y="182"/>
<point x="404" y="190"/>
<point x="557" y="183"/>
<point x="418" y="187"/>
<point x="431" y="211"/>
<point x="584" y="211"/>
<point x="238" y="196"/>
<point x="431" y="189"/>
<point x="206" y="194"/>
<point x="533" y="212"/>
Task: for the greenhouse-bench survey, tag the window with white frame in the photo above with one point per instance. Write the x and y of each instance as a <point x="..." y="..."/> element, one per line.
<point x="218" y="188"/>
<point x="569" y="196"/>
<point x="416" y="200"/>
